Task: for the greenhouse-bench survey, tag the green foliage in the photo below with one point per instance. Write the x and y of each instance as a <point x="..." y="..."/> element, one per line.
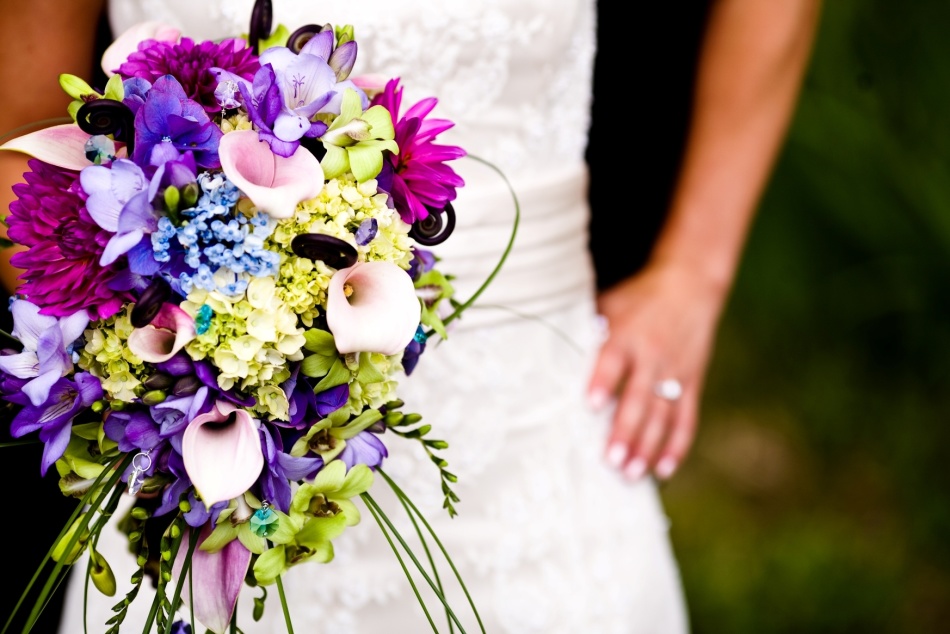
<point x="816" y="498"/>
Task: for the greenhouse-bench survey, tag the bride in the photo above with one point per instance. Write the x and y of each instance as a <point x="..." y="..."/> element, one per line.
<point x="555" y="423"/>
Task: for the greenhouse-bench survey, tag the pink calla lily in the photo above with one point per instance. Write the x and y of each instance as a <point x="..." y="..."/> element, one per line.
<point x="371" y="83"/>
<point x="273" y="183"/>
<point x="217" y="579"/>
<point x="222" y="453"/>
<point x="168" y="333"/>
<point x="60" y="145"/>
<point x="372" y="307"/>
<point x="127" y="43"/>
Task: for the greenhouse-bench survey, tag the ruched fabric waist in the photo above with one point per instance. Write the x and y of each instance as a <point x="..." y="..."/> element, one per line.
<point x="549" y="266"/>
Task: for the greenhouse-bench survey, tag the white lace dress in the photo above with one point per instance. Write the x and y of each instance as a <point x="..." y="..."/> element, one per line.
<point x="548" y="539"/>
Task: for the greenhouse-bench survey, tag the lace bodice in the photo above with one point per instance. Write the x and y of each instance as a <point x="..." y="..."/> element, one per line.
<point x="515" y="76"/>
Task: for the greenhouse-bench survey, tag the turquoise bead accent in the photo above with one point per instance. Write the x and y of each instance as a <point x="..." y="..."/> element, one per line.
<point x="264" y="522"/>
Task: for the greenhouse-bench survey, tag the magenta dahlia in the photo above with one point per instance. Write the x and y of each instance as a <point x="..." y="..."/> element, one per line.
<point x="191" y="65"/>
<point x="421" y="180"/>
<point x="61" y="274"/>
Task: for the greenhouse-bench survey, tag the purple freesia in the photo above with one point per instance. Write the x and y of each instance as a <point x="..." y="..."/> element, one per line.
<point x="307" y="83"/>
<point x="53" y="418"/>
<point x="45" y="357"/>
<point x="168" y="116"/>
<point x="133" y="430"/>
<point x="363" y="448"/>
<point x="332" y="399"/>
<point x="281" y="469"/>
<point x="422" y="261"/>
<point x="341" y="60"/>
<point x="173" y="464"/>
<point x="281" y="125"/>
<point x="302" y="400"/>
<point x="120" y="201"/>
<point x="410" y="356"/>
<point x="136" y="90"/>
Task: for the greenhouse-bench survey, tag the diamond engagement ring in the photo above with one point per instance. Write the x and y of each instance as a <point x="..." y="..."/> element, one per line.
<point x="668" y="389"/>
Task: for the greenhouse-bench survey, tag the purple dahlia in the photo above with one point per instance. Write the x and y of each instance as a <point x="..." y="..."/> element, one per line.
<point x="191" y="63"/>
<point x="61" y="273"/>
<point x="421" y="180"/>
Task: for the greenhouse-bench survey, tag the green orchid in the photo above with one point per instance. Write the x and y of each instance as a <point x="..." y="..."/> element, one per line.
<point x="235" y="522"/>
<point x="435" y="287"/>
<point x="81" y="463"/>
<point x="81" y="92"/>
<point x="355" y="140"/>
<point x="319" y="513"/>
<point x="327" y="438"/>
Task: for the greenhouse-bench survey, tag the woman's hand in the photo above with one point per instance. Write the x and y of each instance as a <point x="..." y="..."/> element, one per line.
<point x="661" y="326"/>
<point x="662" y="321"/>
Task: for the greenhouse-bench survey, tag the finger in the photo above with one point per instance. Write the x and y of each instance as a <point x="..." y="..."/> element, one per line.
<point x="628" y="418"/>
<point x="681" y="435"/>
<point x="655" y="430"/>
<point x="605" y="379"/>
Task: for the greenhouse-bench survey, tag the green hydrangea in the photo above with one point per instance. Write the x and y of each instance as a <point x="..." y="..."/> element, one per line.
<point x="250" y="339"/>
<point x="106" y="356"/>
<point x="338" y="211"/>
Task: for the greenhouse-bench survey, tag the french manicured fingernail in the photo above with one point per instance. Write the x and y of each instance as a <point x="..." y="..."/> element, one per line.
<point x="616" y="455"/>
<point x="635" y="469"/>
<point x="665" y="468"/>
<point x="597" y="398"/>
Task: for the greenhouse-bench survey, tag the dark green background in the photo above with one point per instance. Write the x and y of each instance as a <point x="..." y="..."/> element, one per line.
<point x="816" y="499"/>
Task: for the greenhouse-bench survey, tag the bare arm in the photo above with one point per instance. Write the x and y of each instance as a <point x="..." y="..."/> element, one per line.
<point x="39" y="39"/>
<point x="663" y="320"/>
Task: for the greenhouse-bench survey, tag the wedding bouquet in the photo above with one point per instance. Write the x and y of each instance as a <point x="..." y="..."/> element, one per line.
<point x="224" y="272"/>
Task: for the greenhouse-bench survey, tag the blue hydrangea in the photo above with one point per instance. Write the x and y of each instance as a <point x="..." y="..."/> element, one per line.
<point x="213" y="237"/>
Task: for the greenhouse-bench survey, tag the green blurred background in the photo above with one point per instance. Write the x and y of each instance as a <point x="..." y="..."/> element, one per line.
<point x="816" y="498"/>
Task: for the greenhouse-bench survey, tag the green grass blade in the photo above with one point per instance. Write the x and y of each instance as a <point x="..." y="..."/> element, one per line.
<point x="20" y="443"/>
<point x="185" y="570"/>
<point x="412" y="556"/>
<point x="47" y="588"/>
<point x="504" y="256"/>
<point x="160" y="591"/>
<point x="402" y="496"/>
<point x="69" y="522"/>
<point x="402" y="563"/>
<point x="435" y="569"/>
